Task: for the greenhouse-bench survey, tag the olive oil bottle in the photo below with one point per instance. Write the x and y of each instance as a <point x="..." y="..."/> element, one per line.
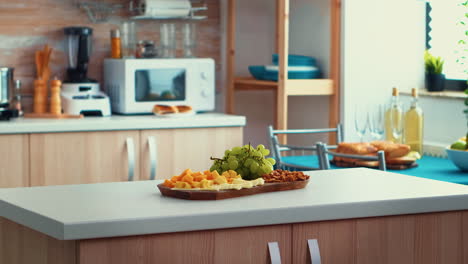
<point x="395" y="111"/>
<point x="414" y="124"/>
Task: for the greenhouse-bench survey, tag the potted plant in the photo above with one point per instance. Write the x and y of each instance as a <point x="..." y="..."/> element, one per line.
<point x="434" y="77"/>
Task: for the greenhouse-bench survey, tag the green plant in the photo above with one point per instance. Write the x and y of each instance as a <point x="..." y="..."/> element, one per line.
<point x="433" y="64"/>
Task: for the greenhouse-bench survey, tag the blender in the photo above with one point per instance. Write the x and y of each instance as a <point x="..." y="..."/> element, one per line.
<point x="6" y="88"/>
<point x="80" y="94"/>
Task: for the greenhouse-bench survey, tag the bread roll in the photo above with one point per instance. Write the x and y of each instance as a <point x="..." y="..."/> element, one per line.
<point x="392" y="150"/>
<point x="354" y="149"/>
<point x="165" y="109"/>
<point x="184" y="108"/>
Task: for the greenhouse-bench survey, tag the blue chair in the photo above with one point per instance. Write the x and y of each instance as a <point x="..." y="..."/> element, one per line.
<point x="291" y="151"/>
<point x="324" y="154"/>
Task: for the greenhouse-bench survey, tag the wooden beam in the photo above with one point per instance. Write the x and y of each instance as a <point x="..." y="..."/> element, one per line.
<point x="283" y="44"/>
<point x="231" y="56"/>
<point x="309" y="87"/>
<point x="335" y="65"/>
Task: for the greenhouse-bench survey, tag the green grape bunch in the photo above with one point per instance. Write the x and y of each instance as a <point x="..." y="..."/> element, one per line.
<point x="249" y="162"/>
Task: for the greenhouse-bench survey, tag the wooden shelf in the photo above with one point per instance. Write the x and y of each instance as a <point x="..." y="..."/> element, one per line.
<point x="295" y="87"/>
<point x="286" y="87"/>
<point x="249" y="83"/>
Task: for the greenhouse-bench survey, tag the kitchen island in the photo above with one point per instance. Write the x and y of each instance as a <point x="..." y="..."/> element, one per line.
<point x="357" y="216"/>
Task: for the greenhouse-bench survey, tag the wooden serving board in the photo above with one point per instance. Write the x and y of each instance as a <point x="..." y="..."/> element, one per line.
<point x="344" y="164"/>
<point x="226" y="194"/>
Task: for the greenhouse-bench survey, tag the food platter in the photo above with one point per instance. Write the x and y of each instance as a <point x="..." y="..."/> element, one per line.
<point x="188" y="194"/>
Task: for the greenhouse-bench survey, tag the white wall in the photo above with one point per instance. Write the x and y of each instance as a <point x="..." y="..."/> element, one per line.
<point x="383" y="47"/>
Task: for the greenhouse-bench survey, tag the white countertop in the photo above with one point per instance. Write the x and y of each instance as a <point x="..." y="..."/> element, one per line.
<point x="118" y="122"/>
<point x="132" y="208"/>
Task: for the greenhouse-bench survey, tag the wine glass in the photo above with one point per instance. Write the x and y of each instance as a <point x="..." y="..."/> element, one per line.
<point x="396" y="121"/>
<point x="361" y="121"/>
<point x="377" y="121"/>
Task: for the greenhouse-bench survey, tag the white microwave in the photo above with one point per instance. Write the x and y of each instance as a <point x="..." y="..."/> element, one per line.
<point x="134" y="86"/>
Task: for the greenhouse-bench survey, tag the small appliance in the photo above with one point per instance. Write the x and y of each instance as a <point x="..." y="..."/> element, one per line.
<point x="136" y="85"/>
<point x="80" y="94"/>
<point x="6" y="89"/>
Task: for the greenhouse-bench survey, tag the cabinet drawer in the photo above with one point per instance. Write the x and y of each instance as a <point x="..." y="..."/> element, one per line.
<point x="85" y="157"/>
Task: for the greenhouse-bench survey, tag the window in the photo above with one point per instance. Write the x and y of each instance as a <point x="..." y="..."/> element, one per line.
<point x="446" y="36"/>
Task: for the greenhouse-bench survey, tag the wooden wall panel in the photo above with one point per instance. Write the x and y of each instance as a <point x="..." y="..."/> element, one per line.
<point x="26" y="26"/>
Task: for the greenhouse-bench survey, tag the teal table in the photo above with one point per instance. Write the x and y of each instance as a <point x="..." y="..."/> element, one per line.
<point x="429" y="167"/>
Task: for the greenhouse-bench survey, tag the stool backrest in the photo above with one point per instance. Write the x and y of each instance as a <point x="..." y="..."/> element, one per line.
<point x="278" y="149"/>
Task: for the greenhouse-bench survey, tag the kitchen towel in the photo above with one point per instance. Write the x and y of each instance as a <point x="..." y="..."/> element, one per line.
<point x="164" y="8"/>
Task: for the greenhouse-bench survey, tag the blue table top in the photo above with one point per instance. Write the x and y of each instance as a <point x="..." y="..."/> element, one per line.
<point x="429" y="167"/>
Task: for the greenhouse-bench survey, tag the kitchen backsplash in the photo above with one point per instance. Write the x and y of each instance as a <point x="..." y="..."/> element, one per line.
<point x="27" y="25"/>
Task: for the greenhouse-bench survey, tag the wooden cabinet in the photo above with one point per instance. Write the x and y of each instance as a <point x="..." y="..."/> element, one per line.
<point x="105" y="156"/>
<point x="423" y="238"/>
<point x="335" y="238"/>
<point x="179" y="149"/>
<point x="84" y="157"/>
<point x="250" y="245"/>
<point x="420" y="239"/>
<point x="14" y="161"/>
<point x="385" y="240"/>
<point x="439" y="238"/>
<point x="465" y="236"/>
<point x="176" y="248"/>
<point x="21" y="245"/>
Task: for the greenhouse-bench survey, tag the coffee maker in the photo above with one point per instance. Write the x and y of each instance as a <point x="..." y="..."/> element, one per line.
<point x="80" y="94"/>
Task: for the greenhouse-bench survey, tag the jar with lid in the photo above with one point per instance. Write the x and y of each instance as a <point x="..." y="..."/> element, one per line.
<point x="146" y="49"/>
<point x="16" y="100"/>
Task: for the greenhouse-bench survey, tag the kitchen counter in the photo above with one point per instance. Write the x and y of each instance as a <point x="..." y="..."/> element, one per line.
<point x="118" y="122"/>
<point x="76" y="212"/>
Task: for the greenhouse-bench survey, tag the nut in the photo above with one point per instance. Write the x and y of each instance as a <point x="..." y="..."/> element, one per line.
<point x="285" y="176"/>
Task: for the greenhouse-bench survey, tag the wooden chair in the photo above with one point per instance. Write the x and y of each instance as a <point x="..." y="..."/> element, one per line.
<point x="324" y="153"/>
<point x="293" y="150"/>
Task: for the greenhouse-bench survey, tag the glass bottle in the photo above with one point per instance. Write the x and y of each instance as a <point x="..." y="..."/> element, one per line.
<point x="414" y="124"/>
<point x="115" y="44"/>
<point x="393" y="119"/>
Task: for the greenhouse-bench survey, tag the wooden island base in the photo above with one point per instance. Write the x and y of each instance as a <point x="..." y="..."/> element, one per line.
<point x="419" y="238"/>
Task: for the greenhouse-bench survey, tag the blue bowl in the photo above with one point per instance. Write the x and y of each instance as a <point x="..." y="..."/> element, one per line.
<point x="459" y="158"/>
<point x="296" y="60"/>
<point x="257" y="71"/>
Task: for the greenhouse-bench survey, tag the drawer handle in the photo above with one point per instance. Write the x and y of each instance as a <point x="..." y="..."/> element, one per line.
<point x="274" y="251"/>
<point x="153" y="157"/>
<point x="131" y="158"/>
<point x="314" y="251"/>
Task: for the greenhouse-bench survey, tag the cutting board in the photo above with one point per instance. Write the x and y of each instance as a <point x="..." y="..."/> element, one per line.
<point x="226" y="194"/>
